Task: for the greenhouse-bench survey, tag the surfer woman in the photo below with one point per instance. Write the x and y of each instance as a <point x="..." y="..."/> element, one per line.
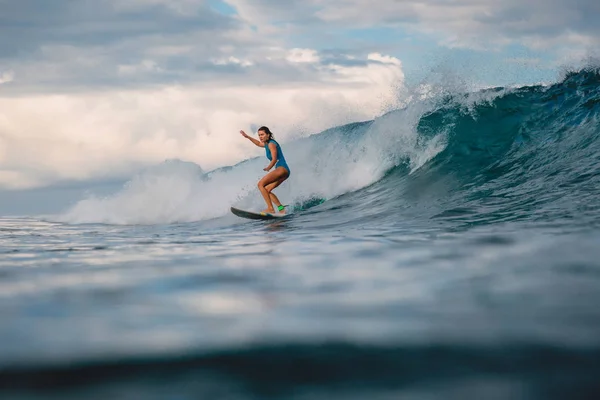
<point x="276" y="177"/>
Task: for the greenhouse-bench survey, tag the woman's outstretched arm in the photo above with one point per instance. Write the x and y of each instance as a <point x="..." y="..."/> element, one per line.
<point x="255" y="141"/>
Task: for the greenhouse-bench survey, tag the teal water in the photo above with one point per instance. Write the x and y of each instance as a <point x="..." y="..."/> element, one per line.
<point x="453" y="254"/>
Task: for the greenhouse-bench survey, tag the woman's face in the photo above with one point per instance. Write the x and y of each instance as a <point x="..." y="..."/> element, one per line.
<point x="263" y="136"/>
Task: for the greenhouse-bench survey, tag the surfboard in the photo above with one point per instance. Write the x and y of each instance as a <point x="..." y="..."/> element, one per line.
<point x="256" y="215"/>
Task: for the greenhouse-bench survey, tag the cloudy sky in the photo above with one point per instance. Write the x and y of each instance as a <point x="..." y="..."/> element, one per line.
<point x="93" y="89"/>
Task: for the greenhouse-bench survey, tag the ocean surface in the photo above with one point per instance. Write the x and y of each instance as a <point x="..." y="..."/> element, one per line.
<point x="449" y="249"/>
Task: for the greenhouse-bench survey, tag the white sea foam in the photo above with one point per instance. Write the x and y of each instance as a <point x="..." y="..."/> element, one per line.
<point x="323" y="166"/>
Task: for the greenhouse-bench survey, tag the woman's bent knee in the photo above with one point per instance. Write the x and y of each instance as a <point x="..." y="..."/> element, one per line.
<point x="262" y="186"/>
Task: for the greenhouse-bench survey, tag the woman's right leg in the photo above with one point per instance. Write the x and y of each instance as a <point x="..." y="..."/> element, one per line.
<point x="272" y="195"/>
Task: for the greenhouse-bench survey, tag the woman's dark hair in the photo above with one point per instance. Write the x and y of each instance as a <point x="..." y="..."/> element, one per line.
<point x="267" y="131"/>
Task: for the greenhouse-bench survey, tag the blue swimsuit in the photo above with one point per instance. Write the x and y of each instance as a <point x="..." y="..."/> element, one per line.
<point x="280" y="158"/>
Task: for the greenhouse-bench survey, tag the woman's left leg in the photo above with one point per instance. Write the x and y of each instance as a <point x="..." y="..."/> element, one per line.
<point x="272" y="195"/>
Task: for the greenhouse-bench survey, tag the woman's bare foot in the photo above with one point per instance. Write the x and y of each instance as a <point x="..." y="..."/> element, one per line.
<point x="267" y="211"/>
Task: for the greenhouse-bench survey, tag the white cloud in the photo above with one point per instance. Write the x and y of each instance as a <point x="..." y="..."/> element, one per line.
<point x="6" y="76"/>
<point x="384" y="59"/>
<point x="303" y="56"/>
<point x="483" y="24"/>
<point x="44" y="138"/>
<point x="231" y="60"/>
<point x="138" y="42"/>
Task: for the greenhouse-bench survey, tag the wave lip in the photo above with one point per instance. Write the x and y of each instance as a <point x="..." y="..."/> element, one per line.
<point x="529" y="154"/>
